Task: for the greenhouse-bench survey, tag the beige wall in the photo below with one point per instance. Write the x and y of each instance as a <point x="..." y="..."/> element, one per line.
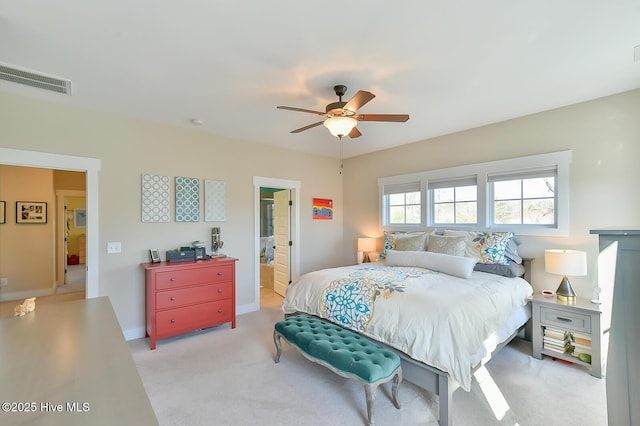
<point x="128" y="148"/>
<point x="26" y="250"/>
<point x="603" y="134"/>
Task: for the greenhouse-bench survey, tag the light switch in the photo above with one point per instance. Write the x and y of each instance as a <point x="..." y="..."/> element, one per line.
<point x="114" y="247"/>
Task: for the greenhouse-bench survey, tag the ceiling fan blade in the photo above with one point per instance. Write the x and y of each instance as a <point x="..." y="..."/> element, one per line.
<point x="358" y="100"/>
<point x="302" y="129"/>
<point x="301" y="110"/>
<point x="355" y="133"/>
<point x="398" y="118"/>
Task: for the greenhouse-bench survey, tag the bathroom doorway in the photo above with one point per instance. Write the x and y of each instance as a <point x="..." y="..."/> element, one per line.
<point x="277" y="235"/>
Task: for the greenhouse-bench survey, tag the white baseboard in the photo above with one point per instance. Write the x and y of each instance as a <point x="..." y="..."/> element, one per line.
<point x="134" y="333"/>
<point x="140" y="332"/>
<point x="249" y="307"/>
<point x="25" y="294"/>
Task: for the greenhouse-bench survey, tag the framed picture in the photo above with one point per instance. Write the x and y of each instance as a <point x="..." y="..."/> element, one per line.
<point x="155" y="255"/>
<point x="3" y="212"/>
<point x="31" y="212"/>
<point x="80" y="218"/>
<point x="322" y="209"/>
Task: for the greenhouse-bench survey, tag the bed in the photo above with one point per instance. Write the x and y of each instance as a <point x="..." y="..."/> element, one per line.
<point x="442" y="315"/>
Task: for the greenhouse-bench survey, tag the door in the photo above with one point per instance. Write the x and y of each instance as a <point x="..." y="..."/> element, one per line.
<point x="66" y="200"/>
<point x="282" y="237"/>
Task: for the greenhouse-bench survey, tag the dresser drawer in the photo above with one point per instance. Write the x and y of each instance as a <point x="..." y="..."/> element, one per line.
<point x="190" y="295"/>
<point x="190" y="318"/>
<point x="186" y="277"/>
<point x="571" y="321"/>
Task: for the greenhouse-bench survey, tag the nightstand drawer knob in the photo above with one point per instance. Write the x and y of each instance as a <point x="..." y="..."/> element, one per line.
<point x="564" y="319"/>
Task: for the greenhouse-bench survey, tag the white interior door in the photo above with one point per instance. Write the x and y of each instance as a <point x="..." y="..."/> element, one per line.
<point x="282" y="237"/>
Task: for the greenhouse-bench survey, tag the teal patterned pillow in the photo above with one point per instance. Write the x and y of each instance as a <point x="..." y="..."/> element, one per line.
<point x="493" y="247"/>
<point x="389" y="244"/>
<point x="490" y="248"/>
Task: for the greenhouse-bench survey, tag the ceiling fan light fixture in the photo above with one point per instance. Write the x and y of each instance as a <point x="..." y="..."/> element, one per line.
<point x="340" y="126"/>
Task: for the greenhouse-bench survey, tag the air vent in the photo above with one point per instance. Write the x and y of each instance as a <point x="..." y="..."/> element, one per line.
<point x="39" y="81"/>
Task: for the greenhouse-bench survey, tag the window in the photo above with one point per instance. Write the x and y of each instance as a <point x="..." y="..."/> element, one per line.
<point x="403" y="204"/>
<point x="526" y="195"/>
<point x="454" y="201"/>
<point x="525" y="198"/>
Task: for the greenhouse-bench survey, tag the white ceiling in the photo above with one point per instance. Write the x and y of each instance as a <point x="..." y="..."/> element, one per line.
<point x="451" y="65"/>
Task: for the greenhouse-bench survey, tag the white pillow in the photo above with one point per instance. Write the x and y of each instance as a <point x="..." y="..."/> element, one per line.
<point x="458" y="266"/>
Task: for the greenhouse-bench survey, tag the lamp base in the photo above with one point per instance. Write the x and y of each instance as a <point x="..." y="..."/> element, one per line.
<point x="565" y="293"/>
<point x="365" y="258"/>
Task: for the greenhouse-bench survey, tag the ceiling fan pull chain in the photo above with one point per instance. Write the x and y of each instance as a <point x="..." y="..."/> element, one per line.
<point x="341" y="155"/>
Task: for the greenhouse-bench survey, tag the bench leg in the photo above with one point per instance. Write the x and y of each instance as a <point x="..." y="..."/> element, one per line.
<point x="397" y="379"/>
<point x="276" y="340"/>
<point x="370" y="390"/>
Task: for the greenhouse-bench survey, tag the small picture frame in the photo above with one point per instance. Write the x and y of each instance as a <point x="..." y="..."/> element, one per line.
<point x="154" y="254"/>
<point x="80" y="218"/>
<point x="31" y="212"/>
<point x="3" y="212"/>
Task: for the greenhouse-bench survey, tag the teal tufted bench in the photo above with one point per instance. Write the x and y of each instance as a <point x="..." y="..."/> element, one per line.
<point x="342" y="351"/>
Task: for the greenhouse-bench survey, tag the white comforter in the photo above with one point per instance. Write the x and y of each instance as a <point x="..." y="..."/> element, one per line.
<point x="446" y="322"/>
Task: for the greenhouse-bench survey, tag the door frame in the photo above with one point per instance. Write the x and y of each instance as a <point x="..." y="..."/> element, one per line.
<point x="294" y="186"/>
<point x="61" y="261"/>
<point x="91" y="166"/>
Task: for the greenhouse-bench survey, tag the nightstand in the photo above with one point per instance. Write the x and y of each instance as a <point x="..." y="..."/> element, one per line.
<point x="581" y="317"/>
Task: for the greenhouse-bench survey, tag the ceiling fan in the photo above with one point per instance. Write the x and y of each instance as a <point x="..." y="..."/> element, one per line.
<point x="342" y="117"/>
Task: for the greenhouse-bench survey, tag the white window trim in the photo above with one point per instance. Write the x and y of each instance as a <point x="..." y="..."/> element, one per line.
<point x="560" y="159"/>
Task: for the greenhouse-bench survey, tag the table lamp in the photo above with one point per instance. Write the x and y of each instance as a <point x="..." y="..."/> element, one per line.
<point x="365" y="246"/>
<point x="565" y="262"/>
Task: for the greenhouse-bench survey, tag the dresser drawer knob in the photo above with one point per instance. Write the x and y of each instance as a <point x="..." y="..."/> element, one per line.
<point x="220" y="310"/>
<point x="172" y="279"/>
<point x="172" y="299"/>
<point x="220" y="290"/>
<point x="173" y="321"/>
<point x="220" y="273"/>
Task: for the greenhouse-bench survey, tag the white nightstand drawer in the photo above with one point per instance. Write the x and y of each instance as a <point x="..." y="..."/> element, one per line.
<point x="564" y="320"/>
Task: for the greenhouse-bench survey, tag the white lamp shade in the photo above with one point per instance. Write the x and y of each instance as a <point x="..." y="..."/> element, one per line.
<point x="366" y="245"/>
<point x="340" y="126"/>
<point x="565" y="262"/>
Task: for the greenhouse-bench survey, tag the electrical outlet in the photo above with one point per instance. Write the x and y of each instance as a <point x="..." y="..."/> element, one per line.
<point x="4" y="282"/>
<point x="114" y="247"/>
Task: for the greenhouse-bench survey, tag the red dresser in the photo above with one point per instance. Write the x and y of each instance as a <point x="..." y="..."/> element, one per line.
<point x="187" y="296"/>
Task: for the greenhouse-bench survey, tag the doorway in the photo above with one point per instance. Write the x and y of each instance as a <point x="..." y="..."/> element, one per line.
<point x="91" y="167"/>
<point x="71" y="241"/>
<point x="277" y="238"/>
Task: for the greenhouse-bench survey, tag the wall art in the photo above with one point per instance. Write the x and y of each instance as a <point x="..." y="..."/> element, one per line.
<point x="187" y="199"/>
<point x="322" y="209"/>
<point x="155" y="198"/>
<point x="31" y="212"/>
<point x="215" y="201"/>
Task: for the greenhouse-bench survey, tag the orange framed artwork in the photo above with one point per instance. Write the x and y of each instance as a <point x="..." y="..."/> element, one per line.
<point x="322" y="209"/>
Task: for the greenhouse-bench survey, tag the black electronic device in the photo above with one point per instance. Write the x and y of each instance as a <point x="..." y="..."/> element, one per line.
<point x="201" y="253"/>
<point x="181" y="255"/>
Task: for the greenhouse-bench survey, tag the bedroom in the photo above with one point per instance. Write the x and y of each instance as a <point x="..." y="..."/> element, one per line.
<point x="602" y="133"/>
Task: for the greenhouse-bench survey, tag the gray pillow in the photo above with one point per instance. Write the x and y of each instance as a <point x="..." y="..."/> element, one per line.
<point x="511" y="270"/>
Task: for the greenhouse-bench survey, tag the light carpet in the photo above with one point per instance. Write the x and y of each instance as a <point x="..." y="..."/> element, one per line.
<point x="224" y="376"/>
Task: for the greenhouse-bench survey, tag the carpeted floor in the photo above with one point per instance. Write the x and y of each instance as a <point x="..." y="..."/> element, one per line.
<point x="222" y="376"/>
